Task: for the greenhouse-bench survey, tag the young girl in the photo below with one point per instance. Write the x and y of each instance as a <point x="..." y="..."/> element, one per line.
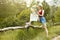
<point x="42" y="18"/>
<point x="33" y="16"/>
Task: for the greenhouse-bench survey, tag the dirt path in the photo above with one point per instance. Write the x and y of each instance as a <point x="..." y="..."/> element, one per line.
<point x="56" y="38"/>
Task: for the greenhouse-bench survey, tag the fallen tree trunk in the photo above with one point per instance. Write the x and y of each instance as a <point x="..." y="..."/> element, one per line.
<point x="10" y="28"/>
<point x="17" y="27"/>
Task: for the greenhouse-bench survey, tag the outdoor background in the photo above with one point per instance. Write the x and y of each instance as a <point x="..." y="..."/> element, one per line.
<point x="17" y="12"/>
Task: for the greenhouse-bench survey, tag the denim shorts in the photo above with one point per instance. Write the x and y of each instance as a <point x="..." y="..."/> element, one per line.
<point x="42" y="20"/>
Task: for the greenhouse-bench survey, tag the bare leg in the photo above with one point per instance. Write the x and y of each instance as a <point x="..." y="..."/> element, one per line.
<point x="44" y="26"/>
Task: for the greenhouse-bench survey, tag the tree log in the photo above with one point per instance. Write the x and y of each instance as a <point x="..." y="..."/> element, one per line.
<point x="17" y="27"/>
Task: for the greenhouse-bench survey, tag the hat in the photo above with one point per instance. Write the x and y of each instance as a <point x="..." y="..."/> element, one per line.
<point x="40" y="5"/>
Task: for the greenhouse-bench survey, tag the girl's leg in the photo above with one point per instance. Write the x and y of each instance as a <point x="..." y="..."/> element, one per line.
<point x="44" y="26"/>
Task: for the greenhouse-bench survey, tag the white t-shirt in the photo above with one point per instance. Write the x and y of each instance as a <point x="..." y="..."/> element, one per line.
<point x="33" y="17"/>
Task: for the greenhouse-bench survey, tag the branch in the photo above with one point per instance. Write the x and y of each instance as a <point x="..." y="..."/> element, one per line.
<point x="18" y="27"/>
<point x="10" y="28"/>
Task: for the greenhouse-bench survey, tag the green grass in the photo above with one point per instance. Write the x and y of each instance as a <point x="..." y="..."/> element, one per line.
<point x="31" y="34"/>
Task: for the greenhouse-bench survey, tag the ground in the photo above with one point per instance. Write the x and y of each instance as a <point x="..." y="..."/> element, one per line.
<point x="31" y="34"/>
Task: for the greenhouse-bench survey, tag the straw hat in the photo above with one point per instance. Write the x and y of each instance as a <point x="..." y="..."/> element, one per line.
<point x="40" y="5"/>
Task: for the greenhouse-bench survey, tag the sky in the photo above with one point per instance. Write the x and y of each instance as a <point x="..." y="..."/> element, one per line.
<point x="46" y="0"/>
<point x="29" y="2"/>
<point x="50" y="2"/>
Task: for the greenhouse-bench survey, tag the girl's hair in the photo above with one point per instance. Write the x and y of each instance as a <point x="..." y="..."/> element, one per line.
<point x="40" y="7"/>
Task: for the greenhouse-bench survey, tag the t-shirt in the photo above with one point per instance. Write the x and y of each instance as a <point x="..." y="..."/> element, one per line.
<point x="41" y="12"/>
<point x="33" y="15"/>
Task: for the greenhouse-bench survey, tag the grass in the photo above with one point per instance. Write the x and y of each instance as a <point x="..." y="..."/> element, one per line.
<point x="31" y="34"/>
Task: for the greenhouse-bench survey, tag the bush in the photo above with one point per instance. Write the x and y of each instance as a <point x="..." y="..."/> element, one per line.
<point x="24" y="16"/>
<point x="57" y="15"/>
<point x="18" y="20"/>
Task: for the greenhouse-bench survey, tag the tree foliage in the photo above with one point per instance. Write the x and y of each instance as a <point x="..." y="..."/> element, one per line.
<point x="9" y="8"/>
<point x="24" y="16"/>
<point x="46" y="8"/>
<point x="18" y="20"/>
<point x="57" y="15"/>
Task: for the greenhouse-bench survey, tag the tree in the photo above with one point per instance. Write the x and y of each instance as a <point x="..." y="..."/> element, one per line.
<point x="57" y="15"/>
<point x="10" y="8"/>
<point x="8" y="12"/>
<point x="24" y="16"/>
<point x="46" y="8"/>
<point x="53" y="10"/>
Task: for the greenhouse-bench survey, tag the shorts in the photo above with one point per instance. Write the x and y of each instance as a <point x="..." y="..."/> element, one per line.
<point x="42" y="20"/>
